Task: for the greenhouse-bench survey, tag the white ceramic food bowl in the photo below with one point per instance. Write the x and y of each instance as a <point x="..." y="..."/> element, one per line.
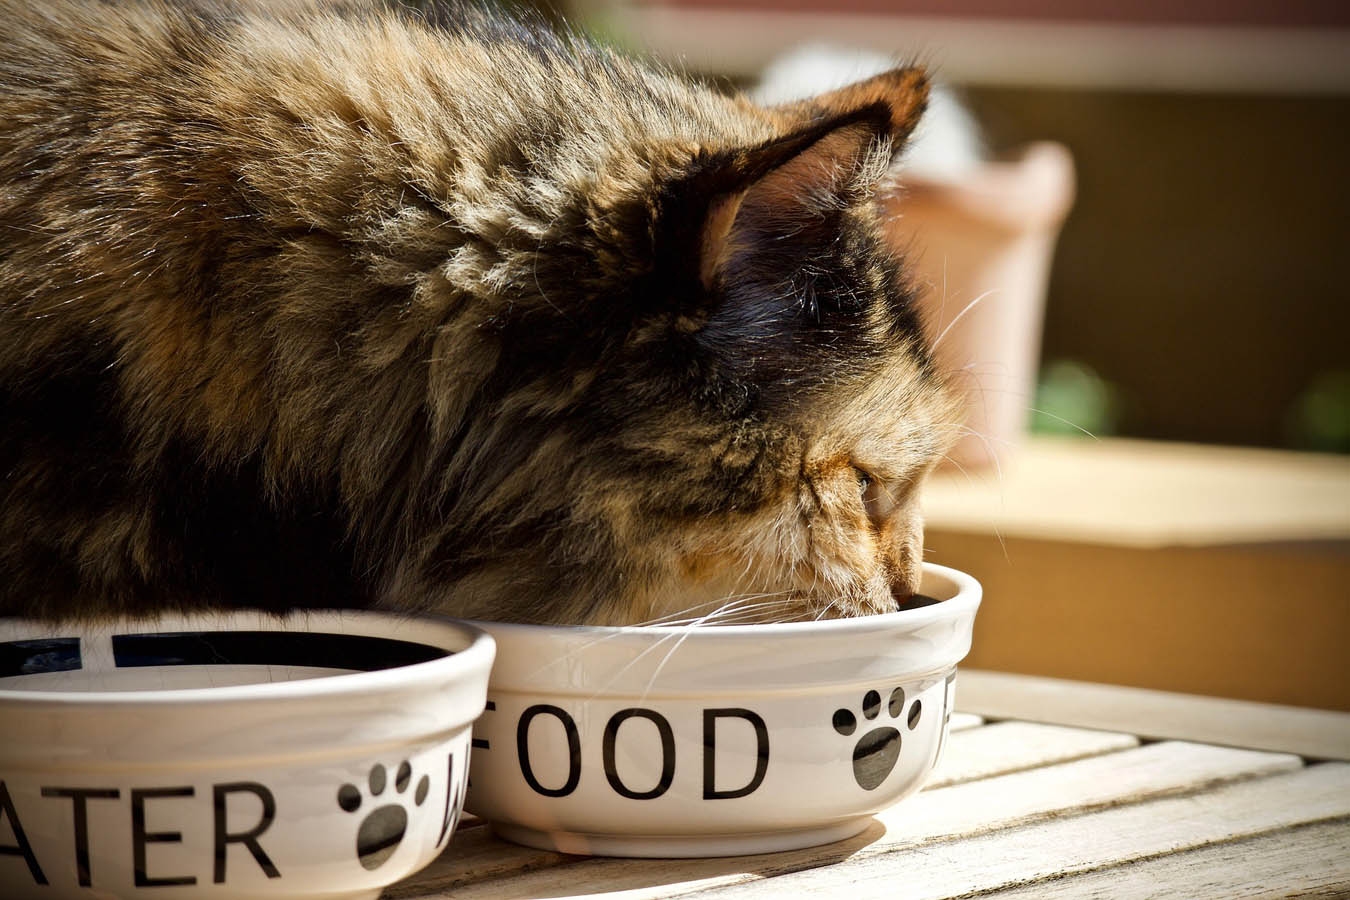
<point x="317" y="755"/>
<point x="716" y="741"/>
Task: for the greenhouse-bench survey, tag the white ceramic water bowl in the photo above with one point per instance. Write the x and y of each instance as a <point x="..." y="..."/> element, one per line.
<point x="322" y="754"/>
<point x="716" y="741"/>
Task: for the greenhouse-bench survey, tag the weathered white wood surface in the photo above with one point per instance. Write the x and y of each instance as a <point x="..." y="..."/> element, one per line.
<point x="1160" y="494"/>
<point x="972" y="752"/>
<point x="1040" y="785"/>
<point x="962" y="721"/>
<point x="1299" y="862"/>
<point x="1073" y="844"/>
<point x="1314" y="733"/>
<point x="1023" y="809"/>
<point x="1012" y="746"/>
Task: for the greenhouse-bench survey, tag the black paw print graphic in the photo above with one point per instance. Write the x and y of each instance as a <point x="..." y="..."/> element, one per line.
<point x="382" y="830"/>
<point x="875" y="754"/>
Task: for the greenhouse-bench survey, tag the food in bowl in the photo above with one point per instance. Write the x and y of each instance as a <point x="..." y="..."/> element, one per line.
<point x="719" y="740"/>
<point x="319" y="754"/>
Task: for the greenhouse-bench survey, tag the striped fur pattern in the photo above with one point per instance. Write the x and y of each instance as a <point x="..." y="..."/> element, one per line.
<point x="324" y="305"/>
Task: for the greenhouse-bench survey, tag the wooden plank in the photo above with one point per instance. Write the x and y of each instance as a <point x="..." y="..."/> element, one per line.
<point x="476" y="855"/>
<point x="963" y="810"/>
<point x="1150" y="567"/>
<point x="1311" y="861"/>
<point x="963" y="721"/>
<point x="1099" y="782"/>
<point x="1050" y="850"/>
<point x="1256" y="623"/>
<point x="1013" y="746"/>
<point x="973" y="752"/>
<point x="1313" y="733"/>
<point x="1159" y="494"/>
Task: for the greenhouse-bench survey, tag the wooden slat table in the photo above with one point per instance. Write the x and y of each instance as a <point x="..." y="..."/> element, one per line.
<point x="1024" y="809"/>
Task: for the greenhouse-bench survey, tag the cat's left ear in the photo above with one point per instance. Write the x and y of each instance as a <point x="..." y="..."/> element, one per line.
<point x="902" y="93"/>
<point x="773" y="198"/>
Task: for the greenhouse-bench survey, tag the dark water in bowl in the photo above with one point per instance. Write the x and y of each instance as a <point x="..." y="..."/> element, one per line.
<point x="179" y="660"/>
<point x="918" y="601"/>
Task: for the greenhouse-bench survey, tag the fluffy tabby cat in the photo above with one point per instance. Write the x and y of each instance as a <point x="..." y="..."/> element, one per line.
<point x="333" y="306"/>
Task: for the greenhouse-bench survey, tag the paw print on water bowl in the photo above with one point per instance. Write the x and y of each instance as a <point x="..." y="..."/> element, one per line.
<point x="382" y="830"/>
<point x="324" y="752"/>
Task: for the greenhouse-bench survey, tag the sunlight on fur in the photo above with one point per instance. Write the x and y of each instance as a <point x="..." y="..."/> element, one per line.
<point x="310" y="305"/>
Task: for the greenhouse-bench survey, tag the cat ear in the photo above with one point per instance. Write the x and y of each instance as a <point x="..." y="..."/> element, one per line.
<point x="786" y="190"/>
<point x="902" y="92"/>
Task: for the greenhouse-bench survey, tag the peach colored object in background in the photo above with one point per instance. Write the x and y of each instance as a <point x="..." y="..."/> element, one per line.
<point x="979" y="247"/>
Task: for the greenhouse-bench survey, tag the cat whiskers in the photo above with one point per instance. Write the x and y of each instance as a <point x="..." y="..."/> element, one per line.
<point x="728" y="609"/>
<point x="825" y="609"/>
<point x="984" y="439"/>
<point x="969" y="306"/>
<point x="651" y="682"/>
<point x="534" y="267"/>
<point x="998" y="472"/>
<point x="679" y="637"/>
<point x="738" y="605"/>
<point x="723" y="603"/>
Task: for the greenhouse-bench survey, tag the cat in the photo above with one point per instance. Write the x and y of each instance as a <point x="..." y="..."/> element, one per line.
<point x="340" y="306"/>
<point x="947" y="144"/>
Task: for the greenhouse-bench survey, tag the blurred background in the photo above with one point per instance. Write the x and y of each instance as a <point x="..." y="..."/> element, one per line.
<point x="1199" y="280"/>
<point x="1133" y="236"/>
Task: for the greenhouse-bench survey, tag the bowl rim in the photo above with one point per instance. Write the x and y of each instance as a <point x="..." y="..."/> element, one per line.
<point x="432" y="674"/>
<point x="965" y="600"/>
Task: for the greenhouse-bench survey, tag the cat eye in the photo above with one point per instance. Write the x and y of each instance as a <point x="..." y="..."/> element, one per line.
<point x="878" y="500"/>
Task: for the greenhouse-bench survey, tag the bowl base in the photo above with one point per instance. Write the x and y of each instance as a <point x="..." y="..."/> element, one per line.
<point x="681" y="845"/>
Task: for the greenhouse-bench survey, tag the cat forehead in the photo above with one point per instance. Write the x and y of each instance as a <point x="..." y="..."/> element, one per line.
<point x="899" y="414"/>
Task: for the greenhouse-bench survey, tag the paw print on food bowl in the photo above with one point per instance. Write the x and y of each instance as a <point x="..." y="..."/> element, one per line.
<point x="233" y="755"/>
<point x="716" y="741"/>
<point x="878" y="750"/>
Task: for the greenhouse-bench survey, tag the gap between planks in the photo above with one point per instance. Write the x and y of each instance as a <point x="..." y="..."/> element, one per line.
<point x="485" y="867"/>
<point x="1007" y="747"/>
<point x="1312" y="733"/>
<point x="1305" y="861"/>
<point x="475" y="854"/>
<point x="1050" y="850"/>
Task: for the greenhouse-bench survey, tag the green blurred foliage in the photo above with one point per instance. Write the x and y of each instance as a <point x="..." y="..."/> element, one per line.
<point x="1072" y="399"/>
<point x="1320" y="416"/>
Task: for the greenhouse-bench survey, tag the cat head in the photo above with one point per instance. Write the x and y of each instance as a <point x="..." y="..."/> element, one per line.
<point x="730" y="410"/>
<point x="810" y="347"/>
